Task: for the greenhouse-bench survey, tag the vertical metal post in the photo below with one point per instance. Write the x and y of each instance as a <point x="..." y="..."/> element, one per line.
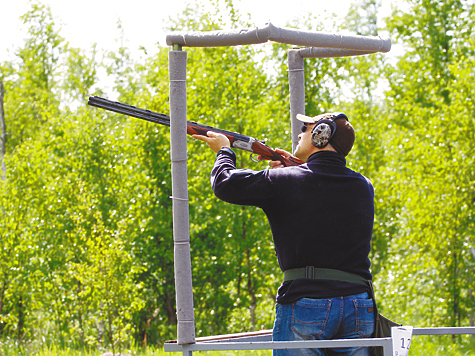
<point x="297" y="92"/>
<point x="181" y="226"/>
<point x="388" y="349"/>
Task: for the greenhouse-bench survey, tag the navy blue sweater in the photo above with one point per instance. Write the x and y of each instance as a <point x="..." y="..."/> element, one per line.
<point x="321" y="214"/>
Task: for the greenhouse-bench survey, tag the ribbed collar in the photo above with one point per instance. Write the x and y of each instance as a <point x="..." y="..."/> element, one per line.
<point x="327" y="157"/>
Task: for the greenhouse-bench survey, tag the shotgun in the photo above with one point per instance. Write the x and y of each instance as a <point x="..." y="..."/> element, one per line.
<point x="237" y="140"/>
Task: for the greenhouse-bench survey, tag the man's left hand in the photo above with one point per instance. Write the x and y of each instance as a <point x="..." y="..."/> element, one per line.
<point x="215" y="140"/>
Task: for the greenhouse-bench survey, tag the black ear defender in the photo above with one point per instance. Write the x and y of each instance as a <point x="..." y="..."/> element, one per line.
<point x="325" y="129"/>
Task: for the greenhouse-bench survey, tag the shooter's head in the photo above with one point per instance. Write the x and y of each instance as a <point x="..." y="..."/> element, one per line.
<point x="331" y="129"/>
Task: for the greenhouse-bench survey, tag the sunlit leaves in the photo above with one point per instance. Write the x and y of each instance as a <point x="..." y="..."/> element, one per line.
<point x="431" y="177"/>
<point x="86" y="247"/>
<point x="30" y="98"/>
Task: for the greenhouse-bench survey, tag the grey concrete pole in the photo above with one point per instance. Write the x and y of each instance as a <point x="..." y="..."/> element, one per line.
<point x="297" y="92"/>
<point x="181" y="226"/>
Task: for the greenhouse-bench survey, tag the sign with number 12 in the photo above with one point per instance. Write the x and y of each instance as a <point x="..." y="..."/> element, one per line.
<point x="401" y="336"/>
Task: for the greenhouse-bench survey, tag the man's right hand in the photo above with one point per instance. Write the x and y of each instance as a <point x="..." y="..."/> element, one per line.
<point x="278" y="164"/>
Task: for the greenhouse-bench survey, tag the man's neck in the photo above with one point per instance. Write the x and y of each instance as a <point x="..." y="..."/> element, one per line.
<point x="326" y="148"/>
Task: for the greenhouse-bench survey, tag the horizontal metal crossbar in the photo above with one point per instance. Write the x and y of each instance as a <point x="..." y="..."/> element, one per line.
<point x="267" y="345"/>
<point x="247" y="36"/>
<point x="443" y="331"/>
<point x="262" y="340"/>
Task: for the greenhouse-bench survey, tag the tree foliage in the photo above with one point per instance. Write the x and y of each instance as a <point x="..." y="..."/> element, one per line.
<point x="86" y="246"/>
<point x="430" y="123"/>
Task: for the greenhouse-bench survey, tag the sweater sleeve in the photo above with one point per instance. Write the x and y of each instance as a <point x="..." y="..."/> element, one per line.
<point x="239" y="186"/>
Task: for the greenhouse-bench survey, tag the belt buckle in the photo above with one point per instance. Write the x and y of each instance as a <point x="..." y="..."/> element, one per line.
<point x="310" y="272"/>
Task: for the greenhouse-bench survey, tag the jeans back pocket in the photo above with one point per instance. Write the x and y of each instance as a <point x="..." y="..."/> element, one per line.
<point x="309" y="317"/>
<point x="364" y="315"/>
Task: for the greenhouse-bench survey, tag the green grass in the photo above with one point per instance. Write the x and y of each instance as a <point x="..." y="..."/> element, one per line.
<point x="55" y="350"/>
<point x="421" y="346"/>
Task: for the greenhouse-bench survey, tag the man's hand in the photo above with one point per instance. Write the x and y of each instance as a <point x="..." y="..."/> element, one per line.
<point x="278" y="164"/>
<point x="215" y="140"/>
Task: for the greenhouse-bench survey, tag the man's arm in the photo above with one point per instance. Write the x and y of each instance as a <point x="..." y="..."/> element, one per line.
<point x="236" y="186"/>
<point x="240" y="186"/>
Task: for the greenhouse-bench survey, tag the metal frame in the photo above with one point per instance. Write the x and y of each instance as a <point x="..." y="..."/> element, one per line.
<point x="181" y="225"/>
<point x="325" y="45"/>
<point x="386" y="343"/>
<point x="328" y="45"/>
<point x="263" y="341"/>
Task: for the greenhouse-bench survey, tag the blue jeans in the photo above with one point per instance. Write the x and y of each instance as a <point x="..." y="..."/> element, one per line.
<point x="349" y="317"/>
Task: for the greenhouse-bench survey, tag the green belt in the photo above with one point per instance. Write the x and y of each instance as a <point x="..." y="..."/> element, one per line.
<point x="311" y="272"/>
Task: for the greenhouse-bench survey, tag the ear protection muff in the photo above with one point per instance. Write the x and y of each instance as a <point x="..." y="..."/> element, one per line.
<point x="325" y="129"/>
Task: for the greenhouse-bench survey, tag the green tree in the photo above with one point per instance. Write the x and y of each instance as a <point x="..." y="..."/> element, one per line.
<point x="86" y="247"/>
<point x="436" y="34"/>
<point x="80" y="78"/>
<point x="429" y="167"/>
<point x="31" y="99"/>
<point x="66" y="201"/>
<point x="29" y="104"/>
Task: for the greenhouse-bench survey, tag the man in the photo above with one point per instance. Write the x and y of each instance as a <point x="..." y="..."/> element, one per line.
<point x="321" y="216"/>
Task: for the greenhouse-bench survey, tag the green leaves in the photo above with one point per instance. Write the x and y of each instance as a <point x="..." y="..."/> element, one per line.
<point x="86" y="239"/>
<point x="30" y="100"/>
<point x="430" y="174"/>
